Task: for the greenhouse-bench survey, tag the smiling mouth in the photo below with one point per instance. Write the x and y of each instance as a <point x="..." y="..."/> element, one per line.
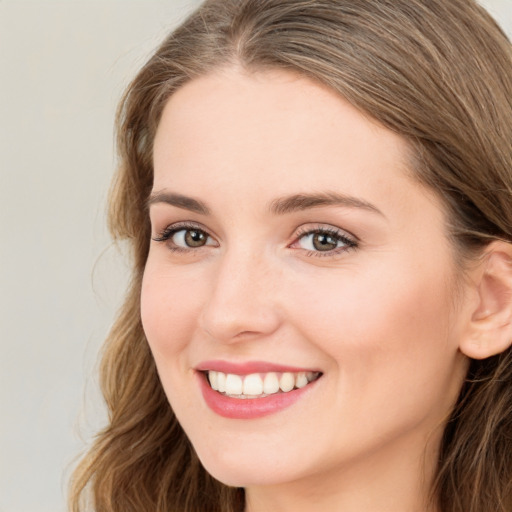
<point x="258" y="385"/>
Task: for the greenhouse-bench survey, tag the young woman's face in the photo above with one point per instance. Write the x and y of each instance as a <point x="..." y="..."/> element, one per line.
<point x="291" y="244"/>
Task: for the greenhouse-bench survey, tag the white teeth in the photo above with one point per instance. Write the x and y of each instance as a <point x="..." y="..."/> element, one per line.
<point x="234" y="384"/>
<point x="221" y="382"/>
<point x="287" y="381"/>
<point x="311" y="376"/>
<point x="301" y="380"/>
<point x="253" y="385"/>
<point x="212" y="377"/>
<point x="270" y="384"/>
<point x="256" y="384"/>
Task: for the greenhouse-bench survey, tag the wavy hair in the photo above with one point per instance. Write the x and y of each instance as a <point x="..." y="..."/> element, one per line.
<point x="437" y="72"/>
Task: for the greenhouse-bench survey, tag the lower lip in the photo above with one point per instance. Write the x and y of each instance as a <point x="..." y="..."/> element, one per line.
<point x="248" y="408"/>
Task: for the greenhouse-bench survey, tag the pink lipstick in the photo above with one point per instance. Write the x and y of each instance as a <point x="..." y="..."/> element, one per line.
<point x="254" y="389"/>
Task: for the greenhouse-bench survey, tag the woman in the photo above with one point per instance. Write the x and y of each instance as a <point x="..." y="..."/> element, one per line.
<point x="318" y="198"/>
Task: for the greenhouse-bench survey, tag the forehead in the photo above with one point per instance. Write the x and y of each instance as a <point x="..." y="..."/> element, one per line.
<point x="253" y="137"/>
<point x="234" y="121"/>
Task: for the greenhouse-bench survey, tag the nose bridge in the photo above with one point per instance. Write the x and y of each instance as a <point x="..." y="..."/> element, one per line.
<point x="242" y="297"/>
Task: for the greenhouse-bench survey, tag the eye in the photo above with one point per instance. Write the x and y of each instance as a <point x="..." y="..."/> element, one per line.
<point x="185" y="238"/>
<point x="324" y="240"/>
<point x="189" y="238"/>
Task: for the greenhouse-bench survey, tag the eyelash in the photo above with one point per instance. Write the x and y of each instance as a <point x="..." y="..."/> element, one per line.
<point x="350" y="242"/>
<point x="170" y="231"/>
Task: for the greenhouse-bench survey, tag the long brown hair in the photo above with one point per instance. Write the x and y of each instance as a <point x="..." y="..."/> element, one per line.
<point x="439" y="73"/>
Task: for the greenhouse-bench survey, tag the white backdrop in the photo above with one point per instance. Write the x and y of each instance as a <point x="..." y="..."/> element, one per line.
<point x="63" y="65"/>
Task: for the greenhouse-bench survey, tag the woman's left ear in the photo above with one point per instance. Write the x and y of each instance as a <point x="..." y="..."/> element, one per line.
<point x="490" y="327"/>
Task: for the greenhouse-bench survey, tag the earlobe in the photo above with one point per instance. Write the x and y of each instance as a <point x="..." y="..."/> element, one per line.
<point x="490" y="327"/>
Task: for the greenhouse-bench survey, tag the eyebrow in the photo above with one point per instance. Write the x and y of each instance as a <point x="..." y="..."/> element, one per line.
<point x="180" y="201"/>
<point x="299" y="202"/>
<point x="279" y="206"/>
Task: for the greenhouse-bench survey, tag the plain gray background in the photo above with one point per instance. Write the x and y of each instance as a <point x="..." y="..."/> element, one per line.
<point x="63" y="65"/>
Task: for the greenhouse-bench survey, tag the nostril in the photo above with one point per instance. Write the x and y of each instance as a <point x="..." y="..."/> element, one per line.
<point x="234" y="323"/>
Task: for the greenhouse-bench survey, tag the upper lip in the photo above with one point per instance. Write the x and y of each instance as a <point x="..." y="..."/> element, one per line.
<point x="248" y="367"/>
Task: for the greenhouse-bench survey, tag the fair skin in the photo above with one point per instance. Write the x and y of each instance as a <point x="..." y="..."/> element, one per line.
<point x="372" y="308"/>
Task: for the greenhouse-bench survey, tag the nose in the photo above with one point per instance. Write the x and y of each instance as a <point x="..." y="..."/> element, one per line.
<point x="242" y="302"/>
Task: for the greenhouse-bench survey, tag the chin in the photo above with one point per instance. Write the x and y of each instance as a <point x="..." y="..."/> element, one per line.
<point x="236" y="470"/>
<point x="234" y="477"/>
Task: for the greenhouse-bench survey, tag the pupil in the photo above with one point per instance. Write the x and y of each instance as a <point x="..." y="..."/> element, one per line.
<point x="195" y="238"/>
<point x="322" y="242"/>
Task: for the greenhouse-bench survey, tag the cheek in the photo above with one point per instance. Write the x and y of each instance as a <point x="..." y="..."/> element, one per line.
<point x="379" y="309"/>
<point x="170" y="307"/>
<point x="391" y="354"/>
<point x="384" y="335"/>
<point x="169" y="310"/>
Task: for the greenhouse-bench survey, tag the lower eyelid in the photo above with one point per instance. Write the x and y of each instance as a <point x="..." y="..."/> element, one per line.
<point x="335" y="253"/>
